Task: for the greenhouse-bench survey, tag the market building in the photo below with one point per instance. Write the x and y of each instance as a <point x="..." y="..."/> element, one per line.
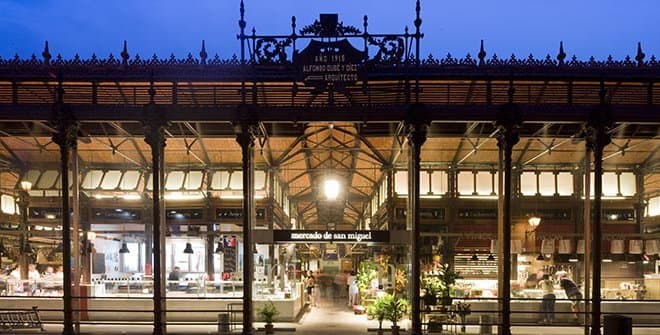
<point x="332" y="149"/>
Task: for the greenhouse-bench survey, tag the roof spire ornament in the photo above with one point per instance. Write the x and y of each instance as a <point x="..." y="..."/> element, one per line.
<point x="640" y="55"/>
<point x="46" y="54"/>
<point x="561" y="55"/>
<point x="482" y="54"/>
<point x="203" y="54"/>
<point x="124" y="54"/>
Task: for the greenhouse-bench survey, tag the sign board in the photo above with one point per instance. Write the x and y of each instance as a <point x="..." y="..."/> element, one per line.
<point x="353" y="236"/>
<point x="329" y="63"/>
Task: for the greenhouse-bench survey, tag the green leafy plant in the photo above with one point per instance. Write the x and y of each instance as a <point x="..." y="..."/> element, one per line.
<point x="447" y="278"/>
<point x="366" y="274"/>
<point x="268" y="313"/>
<point x="431" y="285"/>
<point x="395" y="308"/>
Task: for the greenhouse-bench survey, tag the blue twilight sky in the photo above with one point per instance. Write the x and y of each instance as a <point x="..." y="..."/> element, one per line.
<point x="587" y="27"/>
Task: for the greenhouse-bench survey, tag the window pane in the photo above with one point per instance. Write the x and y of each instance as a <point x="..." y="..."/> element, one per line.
<point x="193" y="180"/>
<point x="465" y="183"/>
<point x="130" y="180"/>
<point x="401" y="182"/>
<point x="547" y="183"/>
<point x="236" y="181"/>
<point x="484" y="183"/>
<point x="564" y="183"/>
<point x="259" y="180"/>
<point x="528" y="183"/>
<point x="654" y="207"/>
<point x="32" y="176"/>
<point x="424" y="182"/>
<point x="439" y="182"/>
<point x="8" y="204"/>
<point x="150" y="182"/>
<point x="627" y="180"/>
<point x="220" y="180"/>
<point x="174" y="180"/>
<point x="610" y="184"/>
<point x="111" y="180"/>
<point x="92" y="179"/>
<point x="48" y="179"/>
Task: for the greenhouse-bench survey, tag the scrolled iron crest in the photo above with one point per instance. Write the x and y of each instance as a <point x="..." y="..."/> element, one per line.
<point x="270" y="50"/>
<point x="390" y="49"/>
<point x="316" y="29"/>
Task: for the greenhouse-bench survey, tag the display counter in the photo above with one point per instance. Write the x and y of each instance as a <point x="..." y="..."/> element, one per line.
<point x="181" y="306"/>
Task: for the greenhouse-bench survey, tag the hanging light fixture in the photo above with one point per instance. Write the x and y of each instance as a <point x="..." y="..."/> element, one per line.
<point x="331" y="189"/>
<point x="124" y="248"/>
<point x="534" y="221"/>
<point x="220" y="249"/>
<point x="474" y="257"/>
<point x="540" y="257"/>
<point x="491" y="258"/>
<point x="188" y="249"/>
<point x="573" y="258"/>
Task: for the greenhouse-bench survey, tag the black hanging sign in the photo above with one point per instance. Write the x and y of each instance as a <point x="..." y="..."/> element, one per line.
<point x="330" y="63"/>
<point x="382" y="236"/>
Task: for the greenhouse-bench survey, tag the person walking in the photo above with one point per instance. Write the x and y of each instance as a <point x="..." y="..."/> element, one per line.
<point x="548" y="303"/>
<point x="309" y="285"/>
<point x="572" y="292"/>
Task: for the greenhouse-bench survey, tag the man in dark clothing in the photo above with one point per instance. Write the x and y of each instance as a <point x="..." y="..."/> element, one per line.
<point x="173" y="278"/>
<point x="572" y="292"/>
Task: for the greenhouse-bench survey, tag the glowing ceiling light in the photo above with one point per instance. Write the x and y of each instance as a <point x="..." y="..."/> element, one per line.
<point x="331" y="189"/>
<point x="534" y="221"/>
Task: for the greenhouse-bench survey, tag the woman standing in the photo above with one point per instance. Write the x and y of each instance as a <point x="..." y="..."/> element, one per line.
<point x="309" y="285"/>
<point x="548" y="304"/>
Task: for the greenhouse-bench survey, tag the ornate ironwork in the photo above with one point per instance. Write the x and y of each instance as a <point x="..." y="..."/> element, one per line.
<point x="272" y="51"/>
<point x="391" y="49"/>
<point x="316" y="29"/>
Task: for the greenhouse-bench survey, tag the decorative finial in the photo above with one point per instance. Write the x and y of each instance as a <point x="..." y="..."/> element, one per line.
<point x="124" y="54"/>
<point x="640" y="55"/>
<point x="365" y="23"/>
<point x="418" y="19"/>
<point x="561" y="55"/>
<point x="293" y="25"/>
<point x="482" y="54"/>
<point x="241" y="22"/>
<point x="203" y="54"/>
<point x="46" y="54"/>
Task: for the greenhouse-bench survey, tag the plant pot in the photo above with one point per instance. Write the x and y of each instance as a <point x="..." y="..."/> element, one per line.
<point x="430" y="300"/>
<point x="395" y="330"/>
<point x="270" y="329"/>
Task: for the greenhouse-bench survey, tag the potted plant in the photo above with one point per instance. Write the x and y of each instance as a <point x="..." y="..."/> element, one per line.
<point x="432" y="286"/>
<point x="463" y="310"/>
<point x="377" y="311"/>
<point x="267" y="315"/>
<point x="395" y="309"/>
<point x="447" y="280"/>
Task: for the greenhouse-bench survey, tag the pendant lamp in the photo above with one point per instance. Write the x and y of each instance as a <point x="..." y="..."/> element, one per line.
<point x="124" y="248"/>
<point x="188" y="249"/>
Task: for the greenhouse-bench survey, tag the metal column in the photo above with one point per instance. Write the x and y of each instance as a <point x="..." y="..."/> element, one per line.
<point x="66" y="139"/>
<point x="508" y="122"/>
<point x="597" y="138"/>
<point x="245" y="137"/>
<point x="154" y="129"/>
<point x="416" y="138"/>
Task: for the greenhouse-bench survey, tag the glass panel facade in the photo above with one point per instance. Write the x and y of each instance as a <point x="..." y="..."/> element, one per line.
<point x="465" y="183"/>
